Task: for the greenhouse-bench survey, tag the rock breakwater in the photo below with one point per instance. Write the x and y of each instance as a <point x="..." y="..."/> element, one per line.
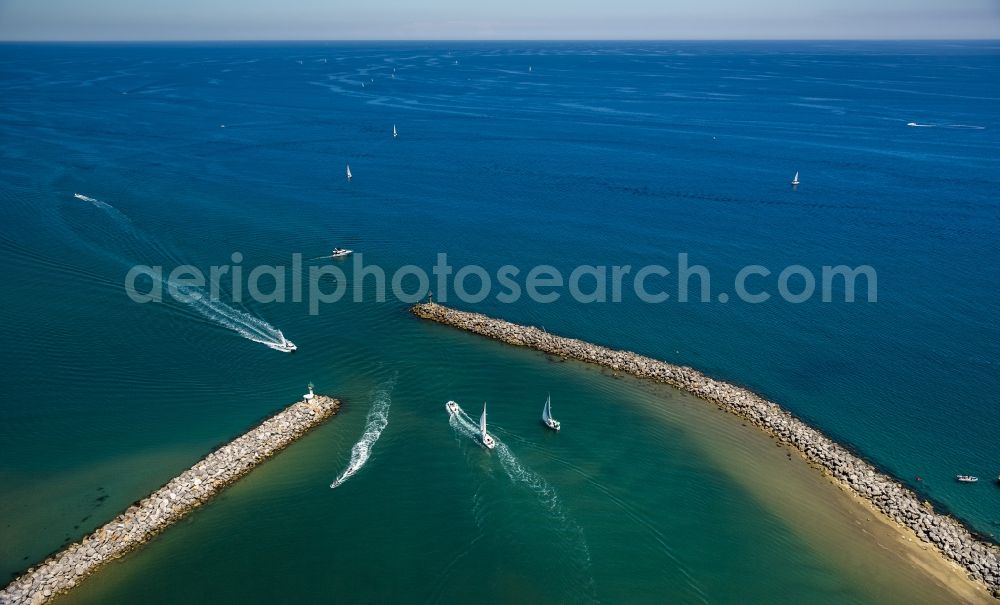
<point x="981" y="560"/>
<point x="180" y="496"/>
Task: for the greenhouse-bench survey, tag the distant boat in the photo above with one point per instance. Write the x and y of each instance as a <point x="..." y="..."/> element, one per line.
<point x="912" y="124"/>
<point x="286" y="346"/>
<point x="529" y="69"/>
<point x="485" y="437"/>
<point x="795" y="179"/>
<point x="547" y="418"/>
<point x="339" y="252"/>
<point x="394" y="133"/>
<point x="452" y="407"/>
<point x="967" y="479"/>
<point x="348" y="173"/>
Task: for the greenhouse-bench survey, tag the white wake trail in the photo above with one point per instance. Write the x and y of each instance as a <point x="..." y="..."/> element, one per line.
<point x="246" y="325"/>
<point x="516" y="472"/>
<point x="569" y="530"/>
<point x="956" y="126"/>
<point x="377" y="420"/>
<point x="103" y="206"/>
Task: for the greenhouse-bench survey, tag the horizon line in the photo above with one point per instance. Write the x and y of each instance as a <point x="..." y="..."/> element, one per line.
<point x="337" y="40"/>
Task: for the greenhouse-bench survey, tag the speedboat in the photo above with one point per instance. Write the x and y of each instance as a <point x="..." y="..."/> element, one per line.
<point x="285" y="346"/>
<point x="547" y="418"/>
<point x="340" y="252"/>
<point x="452" y="408"/>
<point x="967" y="479"/>
<point x="488" y="441"/>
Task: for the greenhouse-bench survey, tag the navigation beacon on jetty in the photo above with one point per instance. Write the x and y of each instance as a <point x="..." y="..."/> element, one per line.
<point x="309" y="396"/>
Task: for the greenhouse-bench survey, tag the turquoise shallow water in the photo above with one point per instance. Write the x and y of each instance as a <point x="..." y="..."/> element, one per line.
<point x="601" y="154"/>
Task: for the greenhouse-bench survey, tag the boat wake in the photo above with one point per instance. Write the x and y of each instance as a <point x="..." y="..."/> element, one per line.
<point x="568" y="530"/>
<point x="246" y="325"/>
<point x="243" y="323"/>
<point x="103" y="206"/>
<point x="957" y="126"/>
<point x="378" y="419"/>
<point x="516" y="472"/>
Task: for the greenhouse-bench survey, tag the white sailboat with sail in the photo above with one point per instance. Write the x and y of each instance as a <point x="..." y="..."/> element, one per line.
<point x="349" y="173"/>
<point x="485" y="437"/>
<point x="795" y="179"/>
<point x="394" y="133"/>
<point x="547" y="418"/>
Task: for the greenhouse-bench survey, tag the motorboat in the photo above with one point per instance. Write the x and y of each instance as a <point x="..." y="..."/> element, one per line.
<point x="286" y="346"/>
<point x="340" y="252"/>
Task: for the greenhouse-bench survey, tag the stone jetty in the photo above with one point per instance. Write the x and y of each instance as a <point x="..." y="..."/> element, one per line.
<point x="979" y="558"/>
<point x="167" y="505"/>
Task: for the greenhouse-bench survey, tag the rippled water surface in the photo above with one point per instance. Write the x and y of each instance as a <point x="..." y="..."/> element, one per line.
<point x="599" y="154"/>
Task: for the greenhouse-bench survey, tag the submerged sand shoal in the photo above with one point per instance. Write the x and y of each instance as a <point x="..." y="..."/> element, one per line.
<point x="189" y="490"/>
<point x="978" y="558"/>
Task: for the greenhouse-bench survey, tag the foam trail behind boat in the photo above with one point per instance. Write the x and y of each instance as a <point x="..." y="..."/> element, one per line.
<point x="377" y="420"/>
<point x="569" y="530"/>
<point x="246" y="325"/>
<point x="103" y="206"/>
<point x="464" y="424"/>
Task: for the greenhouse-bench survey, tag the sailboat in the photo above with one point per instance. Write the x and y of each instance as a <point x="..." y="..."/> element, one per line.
<point x="348" y="173"/>
<point x="547" y="418"/>
<point x="394" y="133"/>
<point x="795" y="179"/>
<point x="487" y="440"/>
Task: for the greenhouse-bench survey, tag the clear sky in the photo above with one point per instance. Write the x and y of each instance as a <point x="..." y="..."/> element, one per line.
<point x="495" y="19"/>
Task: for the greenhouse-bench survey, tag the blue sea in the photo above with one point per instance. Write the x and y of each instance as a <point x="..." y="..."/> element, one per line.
<point x="524" y="154"/>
